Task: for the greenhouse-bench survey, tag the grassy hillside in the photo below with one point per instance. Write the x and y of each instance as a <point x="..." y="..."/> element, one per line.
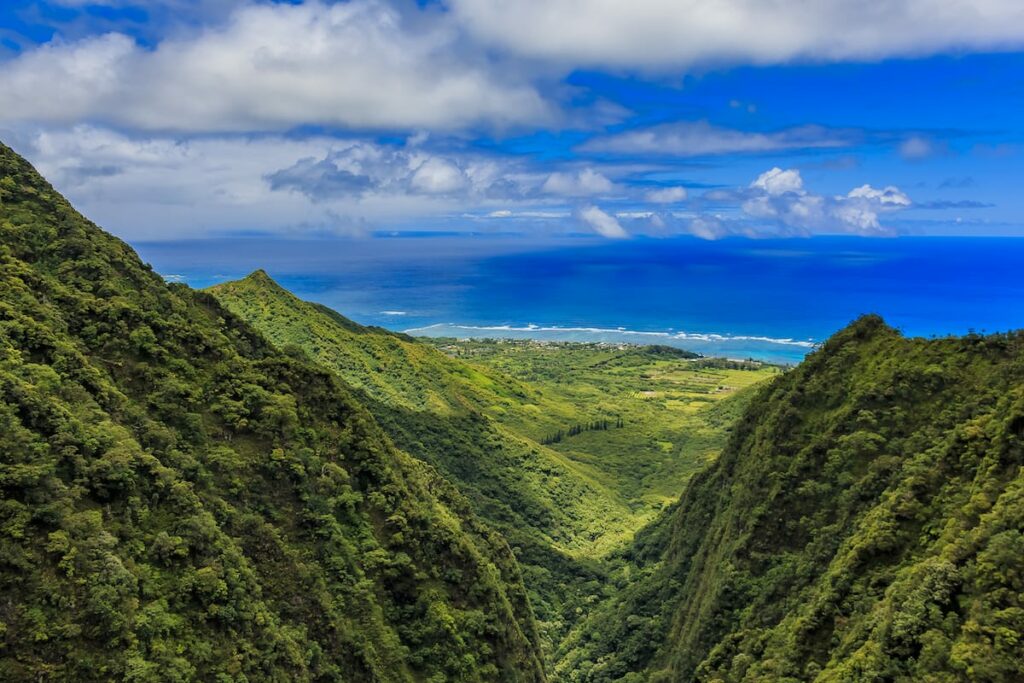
<point x="863" y="524"/>
<point x="181" y="501"/>
<point x="557" y="517"/>
<point x="647" y="417"/>
<point x="487" y="424"/>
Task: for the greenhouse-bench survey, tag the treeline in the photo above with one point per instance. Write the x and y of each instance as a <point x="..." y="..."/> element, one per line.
<point x="576" y="429"/>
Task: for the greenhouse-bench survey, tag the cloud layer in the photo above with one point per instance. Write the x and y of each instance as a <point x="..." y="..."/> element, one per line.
<point x="242" y="115"/>
<point x="658" y="34"/>
<point x="691" y="139"/>
<point x="274" y="67"/>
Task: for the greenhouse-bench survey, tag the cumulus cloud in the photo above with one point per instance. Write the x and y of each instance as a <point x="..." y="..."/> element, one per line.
<point x="670" y="33"/>
<point x="602" y="223"/>
<point x="579" y="184"/>
<point x="321" y="178"/>
<point x="707" y="227"/>
<point x="160" y="187"/>
<point x="889" y="196"/>
<point x="779" y="197"/>
<point x="272" y="67"/>
<point x="666" y="195"/>
<point x="438" y="176"/>
<point x="775" y="182"/>
<point x="699" y="138"/>
<point x="143" y="187"/>
<point x="359" y="168"/>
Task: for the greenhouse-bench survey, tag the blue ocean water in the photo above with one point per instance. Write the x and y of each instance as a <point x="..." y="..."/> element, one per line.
<point x="740" y="298"/>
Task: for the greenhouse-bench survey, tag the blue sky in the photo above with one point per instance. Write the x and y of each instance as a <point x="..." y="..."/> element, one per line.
<point x="203" y="118"/>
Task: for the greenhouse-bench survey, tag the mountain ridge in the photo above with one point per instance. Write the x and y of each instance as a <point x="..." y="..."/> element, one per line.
<point x="181" y="501"/>
<point x="863" y="523"/>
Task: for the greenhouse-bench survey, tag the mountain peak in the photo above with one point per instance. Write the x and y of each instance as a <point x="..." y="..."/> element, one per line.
<point x="259" y="275"/>
<point x="258" y="278"/>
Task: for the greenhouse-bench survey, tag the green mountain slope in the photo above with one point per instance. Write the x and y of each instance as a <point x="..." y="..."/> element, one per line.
<point x="563" y="506"/>
<point x="865" y="523"/>
<point x="556" y="514"/>
<point x="180" y="501"/>
<point x="389" y="367"/>
<point x="438" y="409"/>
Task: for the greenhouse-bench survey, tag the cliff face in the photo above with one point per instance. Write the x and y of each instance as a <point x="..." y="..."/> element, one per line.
<point x="179" y="500"/>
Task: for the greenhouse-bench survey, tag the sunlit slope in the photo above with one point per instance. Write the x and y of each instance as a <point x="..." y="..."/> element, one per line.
<point x="865" y="523"/>
<point x="389" y="367"/>
<point x="556" y="514"/>
<point x="181" y="501"/>
<point x="442" y="410"/>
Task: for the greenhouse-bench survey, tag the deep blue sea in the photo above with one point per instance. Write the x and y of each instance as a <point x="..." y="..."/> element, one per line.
<point x="740" y="298"/>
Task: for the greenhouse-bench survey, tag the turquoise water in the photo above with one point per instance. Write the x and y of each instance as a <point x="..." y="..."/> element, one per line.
<point x="766" y="299"/>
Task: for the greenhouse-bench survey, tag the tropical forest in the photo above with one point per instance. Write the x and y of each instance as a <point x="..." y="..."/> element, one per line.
<point x="236" y="484"/>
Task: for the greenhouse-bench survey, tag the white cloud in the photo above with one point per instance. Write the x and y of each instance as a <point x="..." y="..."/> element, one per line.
<point x="438" y="176"/>
<point x="779" y="197"/>
<point x="672" y="33"/>
<point x="528" y="214"/>
<point x="272" y="67"/>
<point x="162" y="188"/>
<point x="580" y="184"/>
<point x="707" y="227"/>
<point x="601" y="223"/>
<point x="775" y="181"/>
<point x="890" y="195"/>
<point x="361" y="168"/>
<point x="146" y="187"/>
<point x="689" y="139"/>
<point x="666" y="195"/>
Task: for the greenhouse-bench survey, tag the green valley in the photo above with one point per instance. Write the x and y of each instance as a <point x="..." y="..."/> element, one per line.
<point x="486" y="414"/>
<point x="663" y="411"/>
<point x="238" y="485"/>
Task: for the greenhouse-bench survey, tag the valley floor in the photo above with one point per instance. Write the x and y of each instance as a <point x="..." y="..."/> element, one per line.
<point x="639" y="420"/>
<point x="566" y="449"/>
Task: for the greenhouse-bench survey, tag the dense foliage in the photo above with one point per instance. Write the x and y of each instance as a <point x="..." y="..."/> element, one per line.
<point x="181" y="501"/>
<point x="562" y="503"/>
<point x="865" y="523"/>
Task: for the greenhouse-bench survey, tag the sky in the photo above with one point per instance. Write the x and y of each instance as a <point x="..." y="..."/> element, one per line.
<point x="191" y="119"/>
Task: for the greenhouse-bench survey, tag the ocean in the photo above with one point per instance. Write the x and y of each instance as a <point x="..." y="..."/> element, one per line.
<point x="770" y="300"/>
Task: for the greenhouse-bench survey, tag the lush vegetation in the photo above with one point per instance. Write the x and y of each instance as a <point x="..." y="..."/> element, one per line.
<point x="484" y="413"/>
<point x="181" y="501"/>
<point x="242" y="486"/>
<point x="864" y="523"/>
<point x="674" y="409"/>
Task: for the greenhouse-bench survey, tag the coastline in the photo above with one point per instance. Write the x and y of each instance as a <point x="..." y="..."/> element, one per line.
<point x="739" y="347"/>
